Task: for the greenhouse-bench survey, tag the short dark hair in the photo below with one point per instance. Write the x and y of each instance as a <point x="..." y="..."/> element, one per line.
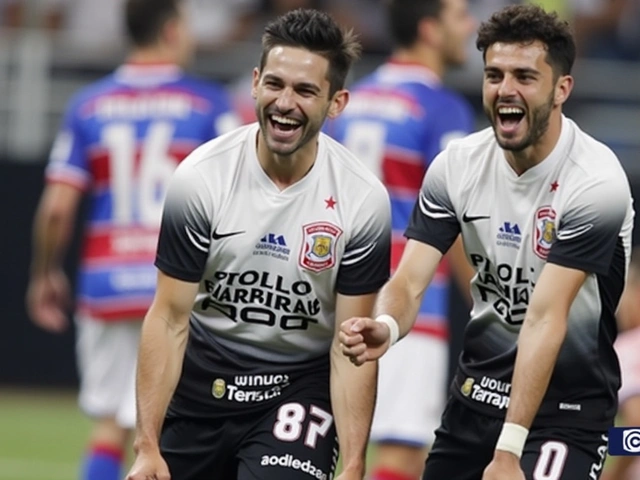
<point x="144" y="19"/>
<point x="317" y="32"/>
<point x="404" y="17"/>
<point x="526" y="24"/>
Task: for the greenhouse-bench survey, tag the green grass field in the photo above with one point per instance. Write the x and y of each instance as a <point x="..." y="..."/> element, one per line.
<point x="42" y="435"/>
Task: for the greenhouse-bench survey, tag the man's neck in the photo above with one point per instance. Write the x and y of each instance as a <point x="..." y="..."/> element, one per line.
<point x="285" y="170"/>
<point x="523" y="160"/>
<point x="152" y="56"/>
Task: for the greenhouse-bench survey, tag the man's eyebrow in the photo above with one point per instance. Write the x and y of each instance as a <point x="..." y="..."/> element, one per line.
<point x="518" y="71"/>
<point x="305" y="85"/>
<point x="271" y="76"/>
<point x="309" y="86"/>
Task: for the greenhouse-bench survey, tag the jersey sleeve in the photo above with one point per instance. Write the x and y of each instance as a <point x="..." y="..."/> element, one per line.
<point x="185" y="230"/>
<point x="366" y="262"/>
<point x="68" y="162"/>
<point x="453" y="120"/>
<point x="587" y="233"/>
<point x="433" y="220"/>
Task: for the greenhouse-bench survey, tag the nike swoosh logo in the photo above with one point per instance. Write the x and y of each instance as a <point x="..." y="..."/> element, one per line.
<point x="217" y="236"/>
<point x="472" y="218"/>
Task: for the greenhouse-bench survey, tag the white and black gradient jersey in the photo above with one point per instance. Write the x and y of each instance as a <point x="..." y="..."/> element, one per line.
<point x="573" y="209"/>
<point x="271" y="262"/>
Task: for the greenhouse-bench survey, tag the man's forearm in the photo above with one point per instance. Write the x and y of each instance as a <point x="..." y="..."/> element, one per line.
<point x="399" y="301"/>
<point x="51" y="235"/>
<point x="353" y="394"/>
<point x="539" y="343"/>
<point x="160" y="357"/>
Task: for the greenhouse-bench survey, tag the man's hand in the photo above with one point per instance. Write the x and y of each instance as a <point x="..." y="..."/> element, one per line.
<point x="149" y="465"/>
<point x="363" y="339"/>
<point x="49" y="300"/>
<point x="504" y="466"/>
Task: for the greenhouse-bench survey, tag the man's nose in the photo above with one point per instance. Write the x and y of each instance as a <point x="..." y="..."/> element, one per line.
<point x="285" y="101"/>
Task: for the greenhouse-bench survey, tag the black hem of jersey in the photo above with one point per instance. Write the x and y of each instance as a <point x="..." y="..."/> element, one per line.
<point x="539" y="422"/>
<point x="579" y="264"/>
<point x="176" y="273"/>
<point x="365" y="289"/>
<point x="414" y="235"/>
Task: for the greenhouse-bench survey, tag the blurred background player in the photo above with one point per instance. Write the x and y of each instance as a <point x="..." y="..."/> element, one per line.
<point x="627" y="345"/>
<point x="399" y="118"/>
<point x="119" y="144"/>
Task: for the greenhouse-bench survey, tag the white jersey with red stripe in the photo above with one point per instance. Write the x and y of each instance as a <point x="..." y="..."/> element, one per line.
<point x="121" y="139"/>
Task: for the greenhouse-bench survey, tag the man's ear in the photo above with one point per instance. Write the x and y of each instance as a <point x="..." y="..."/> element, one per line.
<point x="564" y="86"/>
<point x="255" y="82"/>
<point x="339" y="101"/>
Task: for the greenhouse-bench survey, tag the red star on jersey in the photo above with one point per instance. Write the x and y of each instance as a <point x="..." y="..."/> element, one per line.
<point x="554" y="186"/>
<point x="331" y="203"/>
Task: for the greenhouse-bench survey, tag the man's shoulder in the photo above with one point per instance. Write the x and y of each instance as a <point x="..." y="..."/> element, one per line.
<point x="222" y="152"/>
<point x="477" y="144"/>
<point x="94" y="90"/>
<point x="592" y="162"/>
<point x="353" y="171"/>
<point x="589" y="151"/>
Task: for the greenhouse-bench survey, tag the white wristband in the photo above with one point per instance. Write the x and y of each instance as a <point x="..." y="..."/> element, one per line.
<point x="394" y="328"/>
<point x="512" y="438"/>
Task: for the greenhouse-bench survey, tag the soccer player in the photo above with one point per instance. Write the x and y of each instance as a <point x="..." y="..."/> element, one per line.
<point x="120" y="141"/>
<point x="627" y="344"/>
<point x="271" y="237"/>
<point x="545" y="212"/>
<point x="399" y="118"/>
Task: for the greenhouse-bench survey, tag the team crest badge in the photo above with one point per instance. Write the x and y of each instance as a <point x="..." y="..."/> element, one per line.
<point x="544" y="231"/>
<point x="466" y="386"/>
<point x="319" y="246"/>
<point x="219" y="388"/>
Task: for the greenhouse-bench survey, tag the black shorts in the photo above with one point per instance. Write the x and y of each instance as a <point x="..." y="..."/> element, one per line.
<point x="465" y="442"/>
<point x="238" y="418"/>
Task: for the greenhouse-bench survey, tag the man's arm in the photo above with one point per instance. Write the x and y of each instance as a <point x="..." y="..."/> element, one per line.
<point x="402" y="295"/>
<point x="461" y="269"/>
<point x="541" y="336"/>
<point x="364" y="339"/>
<point x="48" y="291"/>
<point x="162" y="344"/>
<point x="353" y="389"/>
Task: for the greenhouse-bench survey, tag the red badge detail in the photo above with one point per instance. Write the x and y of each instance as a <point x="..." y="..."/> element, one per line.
<point x="318" y="250"/>
<point x="544" y="231"/>
<point x="554" y="186"/>
<point x="331" y="203"/>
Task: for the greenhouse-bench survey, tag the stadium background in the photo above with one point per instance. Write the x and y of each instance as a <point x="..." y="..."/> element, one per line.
<point x="41" y="432"/>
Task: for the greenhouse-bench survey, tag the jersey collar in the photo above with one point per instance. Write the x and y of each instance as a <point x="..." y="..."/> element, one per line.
<point x="557" y="155"/>
<point x="264" y="180"/>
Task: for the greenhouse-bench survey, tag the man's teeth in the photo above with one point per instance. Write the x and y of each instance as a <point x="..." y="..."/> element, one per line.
<point x="510" y="111"/>
<point x="284" y="120"/>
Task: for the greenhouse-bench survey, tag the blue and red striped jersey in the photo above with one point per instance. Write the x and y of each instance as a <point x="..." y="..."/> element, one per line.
<point x="120" y="141"/>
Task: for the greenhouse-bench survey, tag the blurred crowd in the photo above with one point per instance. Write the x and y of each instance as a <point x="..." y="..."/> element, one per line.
<point x="603" y="28"/>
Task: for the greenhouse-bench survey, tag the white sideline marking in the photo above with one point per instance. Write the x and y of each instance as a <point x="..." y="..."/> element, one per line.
<point x="25" y="468"/>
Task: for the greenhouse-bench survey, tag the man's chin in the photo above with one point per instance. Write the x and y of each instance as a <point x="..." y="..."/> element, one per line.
<point x="283" y="149"/>
<point x="512" y="144"/>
